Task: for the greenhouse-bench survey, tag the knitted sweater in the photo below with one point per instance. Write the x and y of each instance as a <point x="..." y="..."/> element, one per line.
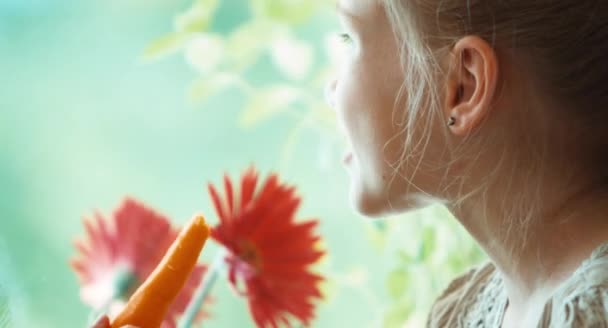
<point x="478" y="298"/>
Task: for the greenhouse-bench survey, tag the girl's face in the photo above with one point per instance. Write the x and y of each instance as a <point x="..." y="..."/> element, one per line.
<point x="363" y="95"/>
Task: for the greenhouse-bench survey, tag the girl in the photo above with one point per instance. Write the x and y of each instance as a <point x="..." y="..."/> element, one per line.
<point x="498" y="109"/>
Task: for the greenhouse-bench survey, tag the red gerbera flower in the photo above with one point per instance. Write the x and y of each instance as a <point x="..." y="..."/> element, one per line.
<point x="270" y="252"/>
<point x="119" y="255"/>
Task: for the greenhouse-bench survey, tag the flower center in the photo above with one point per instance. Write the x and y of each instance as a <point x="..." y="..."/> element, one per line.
<point x="125" y="283"/>
<point x="250" y="254"/>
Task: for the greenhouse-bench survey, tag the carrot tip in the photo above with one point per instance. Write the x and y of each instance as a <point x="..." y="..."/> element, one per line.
<point x="148" y="306"/>
<point x="199" y="220"/>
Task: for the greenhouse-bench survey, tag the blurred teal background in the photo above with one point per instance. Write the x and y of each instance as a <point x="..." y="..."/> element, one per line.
<point x="85" y="121"/>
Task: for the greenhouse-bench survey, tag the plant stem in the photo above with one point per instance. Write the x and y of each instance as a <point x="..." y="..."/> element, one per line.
<point x="203" y="290"/>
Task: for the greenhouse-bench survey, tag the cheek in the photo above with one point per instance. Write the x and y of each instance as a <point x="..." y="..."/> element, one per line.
<point x="365" y="97"/>
<point x="350" y="98"/>
<point x="348" y="89"/>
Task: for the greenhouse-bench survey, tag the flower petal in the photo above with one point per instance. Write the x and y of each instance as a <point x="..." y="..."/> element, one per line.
<point x="130" y="245"/>
<point x="270" y="251"/>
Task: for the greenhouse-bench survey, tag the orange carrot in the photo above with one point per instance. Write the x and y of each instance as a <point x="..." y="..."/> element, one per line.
<point x="148" y="306"/>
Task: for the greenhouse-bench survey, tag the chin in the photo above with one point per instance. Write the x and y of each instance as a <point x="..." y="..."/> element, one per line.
<point x="368" y="203"/>
<point x="368" y="208"/>
<point x="377" y="205"/>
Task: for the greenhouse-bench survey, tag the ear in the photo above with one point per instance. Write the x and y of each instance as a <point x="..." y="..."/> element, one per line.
<point x="471" y="83"/>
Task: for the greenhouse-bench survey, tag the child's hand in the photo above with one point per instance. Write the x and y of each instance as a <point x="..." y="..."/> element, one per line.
<point x="104" y="322"/>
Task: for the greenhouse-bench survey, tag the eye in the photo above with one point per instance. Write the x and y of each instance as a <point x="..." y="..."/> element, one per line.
<point x="346" y="38"/>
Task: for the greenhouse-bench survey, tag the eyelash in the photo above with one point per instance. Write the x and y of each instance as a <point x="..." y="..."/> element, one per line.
<point x="346" y="38"/>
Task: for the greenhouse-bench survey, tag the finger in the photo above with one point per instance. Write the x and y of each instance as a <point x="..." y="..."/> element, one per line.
<point x="103" y="322"/>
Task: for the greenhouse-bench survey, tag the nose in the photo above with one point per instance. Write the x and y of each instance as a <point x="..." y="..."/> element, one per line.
<point x="330" y="90"/>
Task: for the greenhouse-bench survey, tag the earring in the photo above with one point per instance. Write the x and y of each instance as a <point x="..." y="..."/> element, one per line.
<point x="452" y="121"/>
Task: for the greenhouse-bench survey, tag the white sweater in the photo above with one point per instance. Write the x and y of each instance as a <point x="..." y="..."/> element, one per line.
<point x="478" y="299"/>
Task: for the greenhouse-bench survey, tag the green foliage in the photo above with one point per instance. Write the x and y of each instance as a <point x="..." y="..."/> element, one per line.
<point x="197" y="18"/>
<point x="287" y="11"/>
<point x="396" y="283"/>
<point x="164" y="46"/>
<point x="436" y="250"/>
<point x="267" y="102"/>
<point x="426" y="249"/>
<point x="222" y="58"/>
<point x="248" y="41"/>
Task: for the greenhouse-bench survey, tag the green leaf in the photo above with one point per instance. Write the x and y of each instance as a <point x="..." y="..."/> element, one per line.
<point x="405" y="258"/>
<point x="269" y="102"/>
<point x="397" y="283"/>
<point x="164" y="46"/>
<point x="197" y="18"/>
<point x="246" y="43"/>
<point x="287" y="11"/>
<point x="428" y="243"/>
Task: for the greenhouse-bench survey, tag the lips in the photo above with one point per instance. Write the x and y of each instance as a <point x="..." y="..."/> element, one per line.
<point x="348" y="158"/>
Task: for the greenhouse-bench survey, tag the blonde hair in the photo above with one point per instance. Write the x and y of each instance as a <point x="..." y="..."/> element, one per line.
<point x="561" y="45"/>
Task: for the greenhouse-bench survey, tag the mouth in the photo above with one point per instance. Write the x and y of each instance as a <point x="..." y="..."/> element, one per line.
<point x="348" y="158"/>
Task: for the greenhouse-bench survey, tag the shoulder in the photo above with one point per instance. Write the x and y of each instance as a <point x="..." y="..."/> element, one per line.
<point x="582" y="301"/>
<point x="460" y="293"/>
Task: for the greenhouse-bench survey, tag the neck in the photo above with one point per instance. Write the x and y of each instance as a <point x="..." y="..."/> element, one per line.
<point x="539" y="246"/>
